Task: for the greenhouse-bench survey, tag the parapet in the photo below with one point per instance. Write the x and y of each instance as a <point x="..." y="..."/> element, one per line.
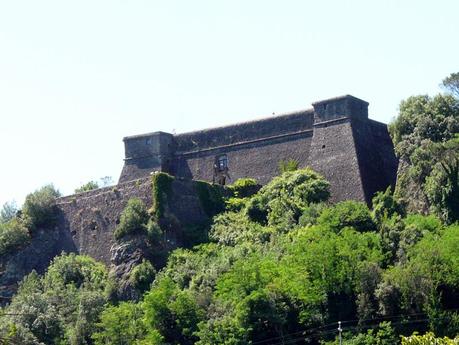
<point x="340" y="107"/>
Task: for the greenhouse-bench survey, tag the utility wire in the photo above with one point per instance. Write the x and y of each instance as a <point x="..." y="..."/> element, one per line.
<point x="372" y="323"/>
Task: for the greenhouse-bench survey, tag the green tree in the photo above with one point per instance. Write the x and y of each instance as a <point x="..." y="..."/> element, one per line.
<point x="282" y="201"/>
<point x="39" y="209"/>
<point x="8" y="211"/>
<point x="451" y="83"/>
<point x="134" y="219"/>
<point x="347" y="214"/>
<point x="13" y="235"/>
<point x="120" y="325"/>
<point x="419" y="132"/>
<point x="428" y="339"/>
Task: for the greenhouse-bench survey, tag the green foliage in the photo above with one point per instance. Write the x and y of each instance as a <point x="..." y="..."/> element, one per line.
<point x="311" y="214"/>
<point x="62" y="307"/>
<point x="288" y="165"/>
<point x="39" y="209"/>
<point x="172" y="312"/>
<point x="423" y="134"/>
<point x="13" y="235"/>
<point x="211" y="198"/>
<point x="383" y="335"/>
<point x="282" y="201"/>
<point x="347" y="214"/>
<point x="442" y="185"/>
<point x="120" y="325"/>
<point x="425" y="280"/>
<point x="428" y="339"/>
<point x="386" y="205"/>
<point x="162" y="187"/>
<point x="423" y="117"/>
<point x="244" y="187"/>
<point x="233" y="228"/>
<point x="8" y="211"/>
<point x="142" y="276"/>
<point x="87" y="187"/>
<point x="134" y="219"/>
<point x="451" y="83"/>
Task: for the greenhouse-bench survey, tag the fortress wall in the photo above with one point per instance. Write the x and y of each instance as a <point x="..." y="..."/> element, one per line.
<point x="335" y="137"/>
<point x="258" y="159"/>
<point x="86" y="224"/>
<point x="246" y="131"/>
<point x="91" y="218"/>
<point x="333" y="154"/>
<point x="375" y="152"/>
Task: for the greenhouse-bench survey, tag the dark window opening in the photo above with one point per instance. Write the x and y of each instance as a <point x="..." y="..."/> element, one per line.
<point x="221" y="170"/>
<point x="222" y="163"/>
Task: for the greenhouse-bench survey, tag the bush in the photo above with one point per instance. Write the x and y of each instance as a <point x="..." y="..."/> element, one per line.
<point x="428" y="339"/>
<point x="287" y="196"/>
<point x="347" y="214"/>
<point x="87" y="187"/>
<point x="311" y="214"/>
<point x="12" y="235"/>
<point x="142" y="276"/>
<point x="244" y="187"/>
<point x="39" y="208"/>
<point x="134" y="219"/>
<point x="211" y="198"/>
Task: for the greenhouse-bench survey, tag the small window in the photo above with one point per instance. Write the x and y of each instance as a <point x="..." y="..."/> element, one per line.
<point x="148" y="141"/>
<point x="222" y="162"/>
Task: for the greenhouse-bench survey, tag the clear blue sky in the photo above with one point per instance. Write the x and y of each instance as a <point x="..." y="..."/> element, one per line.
<point x="77" y="76"/>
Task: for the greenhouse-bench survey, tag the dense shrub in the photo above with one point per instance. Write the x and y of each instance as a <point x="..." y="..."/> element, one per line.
<point x="62" y="307"/>
<point x="134" y="219"/>
<point x="282" y="201"/>
<point x="142" y="275"/>
<point x="244" y="187"/>
<point x="311" y="214"/>
<point x="347" y="214"/>
<point x="120" y="325"/>
<point x="87" y="187"/>
<point x="13" y="235"/>
<point x="211" y="198"/>
<point x="39" y="209"/>
<point x="428" y="339"/>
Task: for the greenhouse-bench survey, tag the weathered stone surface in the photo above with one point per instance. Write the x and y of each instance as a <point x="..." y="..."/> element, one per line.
<point x="336" y="138"/>
<point x="86" y="225"/>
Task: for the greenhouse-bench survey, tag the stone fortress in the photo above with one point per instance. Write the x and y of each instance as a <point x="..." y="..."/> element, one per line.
<point x="335" y="138"/>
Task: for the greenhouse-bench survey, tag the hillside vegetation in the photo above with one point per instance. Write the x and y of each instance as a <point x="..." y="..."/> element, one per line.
<point x="279" y="265"/>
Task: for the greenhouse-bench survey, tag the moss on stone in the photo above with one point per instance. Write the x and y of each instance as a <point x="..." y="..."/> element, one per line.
<point x="162" y="188"/>
<point x="210" y="197"/>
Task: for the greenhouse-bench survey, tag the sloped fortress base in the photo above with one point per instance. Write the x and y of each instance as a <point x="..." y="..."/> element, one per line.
<point x="336" y="138"/>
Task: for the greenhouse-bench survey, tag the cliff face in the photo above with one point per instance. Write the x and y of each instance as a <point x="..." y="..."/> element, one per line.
<point x="87" y="221"/>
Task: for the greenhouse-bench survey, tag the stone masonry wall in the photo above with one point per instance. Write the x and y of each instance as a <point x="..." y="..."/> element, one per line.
<point x="86" y="225"/>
